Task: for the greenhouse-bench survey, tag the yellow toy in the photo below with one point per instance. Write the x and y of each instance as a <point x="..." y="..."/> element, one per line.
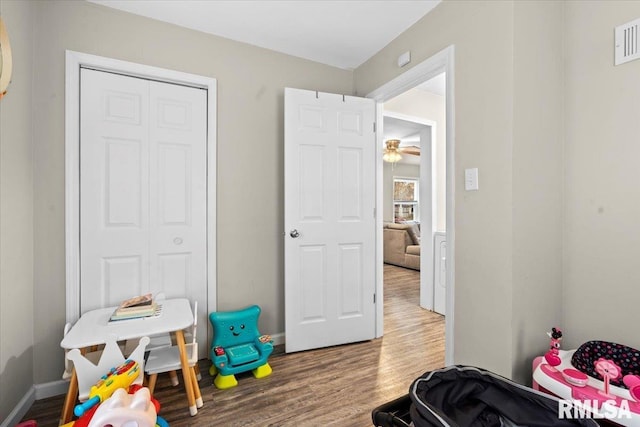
<point x="119" y="377"/>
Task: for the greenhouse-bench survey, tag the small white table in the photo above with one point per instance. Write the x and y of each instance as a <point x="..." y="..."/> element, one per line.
<point x="93" y="328"/>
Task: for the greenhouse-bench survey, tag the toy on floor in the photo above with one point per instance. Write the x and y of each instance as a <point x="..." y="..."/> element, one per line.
<point x="602" y="376"/>
<point x="237" y="346"/>
<point x="87" y="371"/>
<point x="119" y="377"/>
<point x="122" y="409"/>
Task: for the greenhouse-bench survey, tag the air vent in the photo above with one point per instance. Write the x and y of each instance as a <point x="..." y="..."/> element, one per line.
<point x="627" y="42"/>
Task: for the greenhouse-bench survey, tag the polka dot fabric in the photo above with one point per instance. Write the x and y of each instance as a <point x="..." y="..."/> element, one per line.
<point x="627" y="358"/>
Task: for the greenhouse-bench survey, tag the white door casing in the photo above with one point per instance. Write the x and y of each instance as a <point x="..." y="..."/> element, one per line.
<point x="329" y="219"/>
<point x="440" y="273"/>
<point x="428" y="212"/>
<point x="171" y="155"/>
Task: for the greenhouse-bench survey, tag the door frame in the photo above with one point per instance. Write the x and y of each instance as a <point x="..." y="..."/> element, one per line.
<point x="75" y="61"/>
<point x="427" y="197"/>
<point x="442" y="61"/>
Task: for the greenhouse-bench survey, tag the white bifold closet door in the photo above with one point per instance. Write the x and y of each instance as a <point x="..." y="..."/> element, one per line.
<point x="143" y="190"/>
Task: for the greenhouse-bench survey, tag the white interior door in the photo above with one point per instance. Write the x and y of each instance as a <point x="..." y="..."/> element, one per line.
<point x="329" y="219"/>
<point x="143" y="190"/>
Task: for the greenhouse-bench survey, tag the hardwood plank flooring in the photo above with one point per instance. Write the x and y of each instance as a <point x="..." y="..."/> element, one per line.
<point x="336" y="386"/>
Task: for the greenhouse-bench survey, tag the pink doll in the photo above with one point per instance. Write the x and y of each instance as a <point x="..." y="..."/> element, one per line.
<point x="552" y="356"/>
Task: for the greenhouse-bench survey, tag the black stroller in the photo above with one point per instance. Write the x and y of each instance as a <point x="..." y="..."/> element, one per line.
<point x="465" y="396"/>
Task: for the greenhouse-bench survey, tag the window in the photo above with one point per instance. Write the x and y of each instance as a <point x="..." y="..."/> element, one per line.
<point x="405" y="200"/>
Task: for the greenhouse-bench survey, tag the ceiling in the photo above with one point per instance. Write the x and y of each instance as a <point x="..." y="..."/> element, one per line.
<point x="436" y="85"/>
<point x="340" y="33"/>
<point x="406" y="131"/>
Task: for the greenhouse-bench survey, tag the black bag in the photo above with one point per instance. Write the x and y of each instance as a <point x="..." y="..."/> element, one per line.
<point x="393" y="414"/>
<point x="465" y="396"/>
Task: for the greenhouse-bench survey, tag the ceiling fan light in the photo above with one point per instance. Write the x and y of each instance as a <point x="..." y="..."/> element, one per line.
<point x="391" y="156"/>
<point x="391" y="153"/>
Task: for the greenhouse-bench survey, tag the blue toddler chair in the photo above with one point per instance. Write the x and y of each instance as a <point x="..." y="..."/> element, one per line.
<point x="238" y="346"/>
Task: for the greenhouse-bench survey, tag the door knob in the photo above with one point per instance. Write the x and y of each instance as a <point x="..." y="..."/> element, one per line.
<point x="294" y="233"/>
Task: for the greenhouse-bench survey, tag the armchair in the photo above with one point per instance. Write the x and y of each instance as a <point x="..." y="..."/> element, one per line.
<point x="237" y="346"/>
<point x="402" y="245"/>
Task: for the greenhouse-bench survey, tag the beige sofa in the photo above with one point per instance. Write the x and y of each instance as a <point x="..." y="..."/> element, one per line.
<point x="402" y="245"/>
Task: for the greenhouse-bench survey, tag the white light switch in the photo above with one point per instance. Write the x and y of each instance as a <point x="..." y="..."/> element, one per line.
<point x="471" y="179"/>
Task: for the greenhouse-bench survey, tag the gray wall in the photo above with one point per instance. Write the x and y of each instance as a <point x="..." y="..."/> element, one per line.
<point x="602" y="194"/>
<point x="482" y="33"/>
<point x="537" y="180"/>
<point x="552" y="126"/>
<point x="251" y="84"/>
<point x="16" y="214"/>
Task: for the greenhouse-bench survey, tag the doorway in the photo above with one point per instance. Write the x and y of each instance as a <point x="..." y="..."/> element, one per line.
<point x="440" y="63"/>
<point x="409" y="212"/>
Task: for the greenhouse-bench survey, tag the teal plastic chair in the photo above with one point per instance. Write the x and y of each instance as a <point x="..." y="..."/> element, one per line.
<point x="238" y="346"/>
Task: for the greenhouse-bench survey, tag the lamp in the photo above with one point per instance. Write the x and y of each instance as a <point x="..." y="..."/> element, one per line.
<point x="391" y="153"/>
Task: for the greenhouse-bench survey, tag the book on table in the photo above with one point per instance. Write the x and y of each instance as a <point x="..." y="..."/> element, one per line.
<point x="142" y="306"/>
<point x="138" y="301"/>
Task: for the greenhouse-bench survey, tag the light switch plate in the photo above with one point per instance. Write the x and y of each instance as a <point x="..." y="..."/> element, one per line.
<point x="471" y="179"/>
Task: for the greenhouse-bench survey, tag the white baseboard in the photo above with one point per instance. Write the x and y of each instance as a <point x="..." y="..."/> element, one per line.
<point x="53" y="388"/>
<point x="21" y="408"/>
<point x="36" y="392"/>
<point x="278" y="339"/>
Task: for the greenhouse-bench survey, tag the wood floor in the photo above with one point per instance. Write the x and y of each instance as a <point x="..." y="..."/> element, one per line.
<point x="337" y="386"/>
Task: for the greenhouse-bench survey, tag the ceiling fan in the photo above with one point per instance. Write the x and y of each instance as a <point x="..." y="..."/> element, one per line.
<point x="393" y="152"/>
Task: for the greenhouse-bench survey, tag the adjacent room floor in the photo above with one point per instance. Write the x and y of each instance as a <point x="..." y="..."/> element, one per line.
<point x="337" y="386"/>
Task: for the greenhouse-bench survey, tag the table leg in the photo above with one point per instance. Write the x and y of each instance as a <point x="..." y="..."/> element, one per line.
<point x="196" y="388"/>
<point x="184" y="362"/>
<point x="152" y="383"/>
<point x="174" y="378"/>
<point x="70" y="400"/>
